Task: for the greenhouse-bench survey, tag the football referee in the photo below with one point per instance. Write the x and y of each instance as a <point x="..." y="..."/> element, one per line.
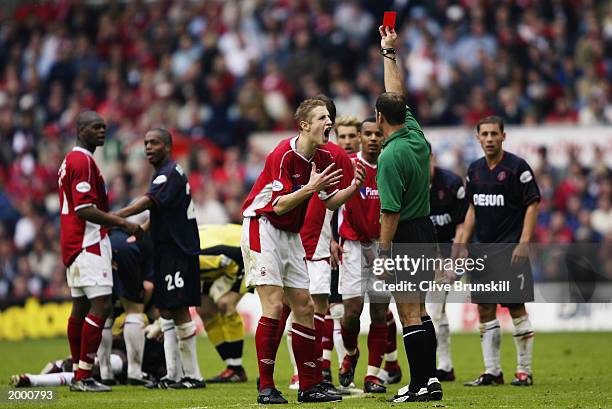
<point x="403" y="187"/>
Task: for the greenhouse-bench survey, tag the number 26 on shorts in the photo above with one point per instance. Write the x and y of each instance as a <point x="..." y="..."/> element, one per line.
<point x="176" y="283"/>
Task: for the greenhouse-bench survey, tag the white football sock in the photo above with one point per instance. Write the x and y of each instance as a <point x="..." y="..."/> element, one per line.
<point x="337" y="311"/>
<point x="291" y="354"/>
<point x="233" y="362"/>
<point x="490" y="341"/>
<point x="104" y="350"/>
<point x="51" y="379"/>
<point x="116" y="364"/>
<point x="523" y="340"/>
<point x="186" y="333"/>
<point x="290" y="345"/>
<point x="444" y="344"/>
<point x="170" y="349"/>
<point x="134" y="336"/>
<point x="373" y="371"/>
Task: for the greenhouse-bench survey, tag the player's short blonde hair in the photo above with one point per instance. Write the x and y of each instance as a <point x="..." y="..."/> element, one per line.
<point x="302" y="113"/>
<point x="347" y="120"/>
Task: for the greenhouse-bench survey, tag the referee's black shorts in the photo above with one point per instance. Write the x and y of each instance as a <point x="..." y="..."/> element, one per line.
<point x="415" y="238"/>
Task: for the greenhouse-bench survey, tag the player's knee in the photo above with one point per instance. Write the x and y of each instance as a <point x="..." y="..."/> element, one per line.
<point x="517" y="310"/>
<point x="80" y="307"/>
<point x="305" y="308"/>
<point x="320" y="302"/>
<point x="486" y="312"/>
<point x="105" y="309"/>
<point x="352" y="309"/>
<point x="273" y="309"/>
<point x="378" y="314"/>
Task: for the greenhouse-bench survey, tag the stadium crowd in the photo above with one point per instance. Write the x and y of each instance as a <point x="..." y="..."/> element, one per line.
<point x="214" y="72"/>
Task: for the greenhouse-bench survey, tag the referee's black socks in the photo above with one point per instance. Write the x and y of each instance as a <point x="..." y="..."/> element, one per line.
<point x="431" y="343"/>
<point x="415" y="337"/>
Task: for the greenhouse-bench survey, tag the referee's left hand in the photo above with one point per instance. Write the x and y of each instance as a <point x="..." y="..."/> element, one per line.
<point x="520" y="255"/>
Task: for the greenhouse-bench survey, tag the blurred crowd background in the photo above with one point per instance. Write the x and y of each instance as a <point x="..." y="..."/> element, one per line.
<point x="215" y="72"/>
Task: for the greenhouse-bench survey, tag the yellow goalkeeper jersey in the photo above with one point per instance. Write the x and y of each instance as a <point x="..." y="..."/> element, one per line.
<point x="220" y="252"/>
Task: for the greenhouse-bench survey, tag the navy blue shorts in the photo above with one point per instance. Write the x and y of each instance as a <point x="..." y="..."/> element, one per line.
<point x="177" y="278"/>
<point x="498" y="267"/>
<point x="132" y="265"/>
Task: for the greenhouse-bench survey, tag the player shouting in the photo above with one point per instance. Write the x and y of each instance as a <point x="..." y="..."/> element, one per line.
<point x="272" y="249"/>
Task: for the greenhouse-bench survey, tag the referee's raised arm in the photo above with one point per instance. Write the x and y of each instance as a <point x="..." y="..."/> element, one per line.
<point x="393" y="75"/>
<point x="403" y="188"/>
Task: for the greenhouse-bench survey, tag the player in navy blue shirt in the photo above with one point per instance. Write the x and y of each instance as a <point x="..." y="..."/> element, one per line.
<point x="504" y="199"/>
<point x="447" y="203"/>
<point x="174" y="232"/>
<point x="447" y="210"/>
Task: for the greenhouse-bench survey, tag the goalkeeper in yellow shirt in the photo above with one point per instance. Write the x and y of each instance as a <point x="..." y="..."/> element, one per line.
<point x="222" y="273"/>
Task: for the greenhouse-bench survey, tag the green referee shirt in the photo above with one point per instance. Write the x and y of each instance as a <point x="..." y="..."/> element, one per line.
<point x="403" y="172"/>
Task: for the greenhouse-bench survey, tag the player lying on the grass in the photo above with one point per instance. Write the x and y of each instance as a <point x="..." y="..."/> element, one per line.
<point x="174" y="232"/>
<point x="504" y="199"/>
<point x="59" y="372"/>
<point x="222" y="275"/>
<point x="447" y="211"/>
<point x="85" y="246"/>
<point x="272" y="249"/>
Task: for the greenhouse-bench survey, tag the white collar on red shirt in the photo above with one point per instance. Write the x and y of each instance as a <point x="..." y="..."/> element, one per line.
<point x="292" y="143"/>
<point x="360" y="157"/>
<point x="85" y="151"/>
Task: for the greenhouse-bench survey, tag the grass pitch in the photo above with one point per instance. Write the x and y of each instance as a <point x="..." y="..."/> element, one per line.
<point x="571" y="370"/>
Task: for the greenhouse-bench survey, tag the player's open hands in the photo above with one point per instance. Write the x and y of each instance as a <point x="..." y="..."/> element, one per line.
<point x="520" y="255"/>
<point x="360" y="173"/>
<point x="388" y="37"/>
<point x="325" y="179"/>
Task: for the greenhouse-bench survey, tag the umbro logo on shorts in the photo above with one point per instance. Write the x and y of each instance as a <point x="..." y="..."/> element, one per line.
<point x="310" y="364"/>
<point x="267" y="361"/>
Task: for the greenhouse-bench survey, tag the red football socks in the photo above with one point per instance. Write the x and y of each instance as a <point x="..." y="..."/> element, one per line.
<point x="377" y="341"/>
<point x="75" y="326"/>
<point x="303" y="342"/>
<point x="91" y="335"/>
<point x="266" y="344"/>
<point x="349" y="337"/>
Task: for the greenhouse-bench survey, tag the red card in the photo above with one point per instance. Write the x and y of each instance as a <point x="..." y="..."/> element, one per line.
<point x="389" y="19"/>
